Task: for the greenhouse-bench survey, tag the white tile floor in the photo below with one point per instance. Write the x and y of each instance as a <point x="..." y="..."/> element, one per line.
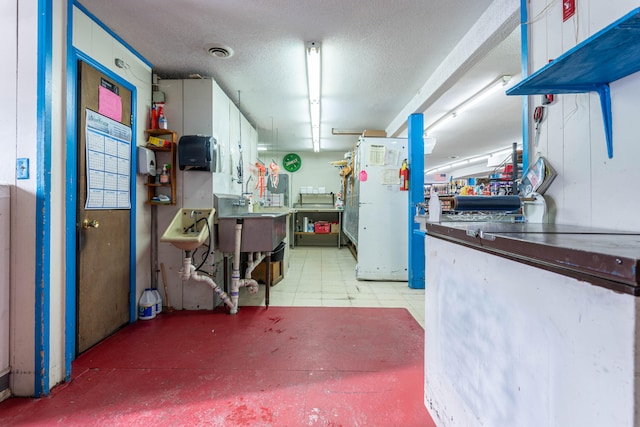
<point x="325" y="277"/>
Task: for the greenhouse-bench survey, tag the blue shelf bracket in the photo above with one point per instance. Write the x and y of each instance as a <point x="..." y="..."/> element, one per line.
<point x="608" y="55"/>
<point x="605" y="104"/>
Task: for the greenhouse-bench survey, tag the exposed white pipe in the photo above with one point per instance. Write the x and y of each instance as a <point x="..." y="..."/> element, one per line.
<point x="253" y="263"/>
<point x="188" y="271"/>
<point x="236" y="282"/>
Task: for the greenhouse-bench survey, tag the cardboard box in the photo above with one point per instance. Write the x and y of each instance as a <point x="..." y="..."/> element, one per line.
<point x="374" y="133"/>
<point x="335" y="228"/>
<point x="158" y="142"/>
<point x="260" y="272"/>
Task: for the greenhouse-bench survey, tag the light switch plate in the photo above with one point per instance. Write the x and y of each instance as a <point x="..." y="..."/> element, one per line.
<point x="22" y="168"/>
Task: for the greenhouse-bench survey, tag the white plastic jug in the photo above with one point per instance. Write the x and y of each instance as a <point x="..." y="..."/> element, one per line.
<point x="158" y="306"/>
<point x="146" y="305"/>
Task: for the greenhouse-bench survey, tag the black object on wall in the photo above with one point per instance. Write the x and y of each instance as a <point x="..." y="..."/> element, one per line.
<point x="197" y="153"/>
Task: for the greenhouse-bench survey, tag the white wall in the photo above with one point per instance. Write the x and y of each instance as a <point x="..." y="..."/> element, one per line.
<point x="572" y="136"/>
<point x="8" y="119"/>
<point x="507" y="344"/>
<point x="315" y="171"/>
<point x="199" y="106"/>
<point x="23" y="199"/>
<point x="18" y="115"/>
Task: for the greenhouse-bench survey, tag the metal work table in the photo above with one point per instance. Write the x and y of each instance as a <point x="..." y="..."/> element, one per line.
<point x="313" y="210"/>
<point x="606" y="258"/>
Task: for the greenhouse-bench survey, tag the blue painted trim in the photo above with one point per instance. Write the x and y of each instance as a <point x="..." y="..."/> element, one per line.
<point x="70" y="202"/>
<point x="133" y="312"/>
<point x="416" y="195"/>
<point x="111" y="33"/>
<point x="524" y="43"/>
<point x="43" y="193"/>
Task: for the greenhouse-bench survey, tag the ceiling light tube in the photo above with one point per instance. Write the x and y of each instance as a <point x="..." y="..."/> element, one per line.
<point x="314" y="108"/>
<point x="313" y="86"/>
<point x="479" y="158"/>
<point x="458" y="164"/>
<point x="483" y="93"/>
<point x="499" y="82"/>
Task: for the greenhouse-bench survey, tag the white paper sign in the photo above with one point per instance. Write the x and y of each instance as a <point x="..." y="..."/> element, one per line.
<point x="108" y="156"/>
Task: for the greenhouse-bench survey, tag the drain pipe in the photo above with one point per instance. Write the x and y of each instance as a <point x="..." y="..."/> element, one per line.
<point x="188" y="271"/>
<point x="251" y="265"/>
<point x="236" y="282"/>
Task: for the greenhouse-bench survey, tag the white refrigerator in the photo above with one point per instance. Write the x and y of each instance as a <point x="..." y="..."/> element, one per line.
<point x="382" y="236"/>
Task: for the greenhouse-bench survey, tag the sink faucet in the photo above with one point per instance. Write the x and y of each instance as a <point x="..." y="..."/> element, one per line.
<point x="246" y="185"/>
<point x="194" y="214"/>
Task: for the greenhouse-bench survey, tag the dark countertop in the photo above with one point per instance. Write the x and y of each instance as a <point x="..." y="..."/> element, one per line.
<point x="603" y="257"/>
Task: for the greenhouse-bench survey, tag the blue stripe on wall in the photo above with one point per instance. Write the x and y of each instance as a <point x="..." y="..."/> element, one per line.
<point x="43" y="193"/>
<point x="70" y="202"/>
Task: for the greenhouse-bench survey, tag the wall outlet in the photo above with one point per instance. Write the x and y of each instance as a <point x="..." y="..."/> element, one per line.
<point x="22" y="168"/>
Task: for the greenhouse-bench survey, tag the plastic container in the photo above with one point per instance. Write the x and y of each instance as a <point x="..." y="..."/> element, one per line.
<point x="158" y="306"/>
<point x="146" y="305"/>
<point x="278" y="252"/>
<point x="322" y="227"/>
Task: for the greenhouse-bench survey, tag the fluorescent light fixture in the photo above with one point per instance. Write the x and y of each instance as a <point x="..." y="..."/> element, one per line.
<point x="479" y="159"/>
<point x="314" y="108"/>
<point x="502" y="153"/>
<point x="458" y="164"/>
<point x="489" y="89"/>
<point x="496" y="84"/>
<point x="442" y="120"/>
<point x="261" y="148"/>
<point x="496" y="157"/>
<point x="313" y="85"/>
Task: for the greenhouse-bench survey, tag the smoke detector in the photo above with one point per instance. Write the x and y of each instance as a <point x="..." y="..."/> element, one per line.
<point x="218" y="50"/>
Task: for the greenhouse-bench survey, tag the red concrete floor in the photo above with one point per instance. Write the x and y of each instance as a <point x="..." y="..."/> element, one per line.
<point x="285" y="366"/>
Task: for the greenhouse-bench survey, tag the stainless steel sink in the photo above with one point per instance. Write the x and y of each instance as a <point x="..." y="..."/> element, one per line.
<point x="261" y="231"/>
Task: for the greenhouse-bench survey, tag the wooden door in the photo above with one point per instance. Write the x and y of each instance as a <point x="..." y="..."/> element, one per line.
<point x="102" y="247"/>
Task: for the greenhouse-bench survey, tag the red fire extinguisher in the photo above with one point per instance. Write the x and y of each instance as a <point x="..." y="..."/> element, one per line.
<point x="404" y="176"/>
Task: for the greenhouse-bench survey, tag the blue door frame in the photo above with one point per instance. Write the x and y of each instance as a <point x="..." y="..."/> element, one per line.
<point x="43" y="189"/>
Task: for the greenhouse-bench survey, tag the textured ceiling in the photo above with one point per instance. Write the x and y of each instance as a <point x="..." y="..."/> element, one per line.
<point x="376" y="55"/>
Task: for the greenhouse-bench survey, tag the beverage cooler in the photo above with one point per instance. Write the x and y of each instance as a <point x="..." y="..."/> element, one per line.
<point x="375" y="210"/>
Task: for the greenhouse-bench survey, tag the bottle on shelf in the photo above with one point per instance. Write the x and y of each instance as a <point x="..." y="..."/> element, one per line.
<point x="162" y="120"/>
<point x="154" y="117"/>
<point x="164" y="176"/>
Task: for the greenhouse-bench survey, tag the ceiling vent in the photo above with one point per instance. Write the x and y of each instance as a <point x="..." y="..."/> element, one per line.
<point x="219" y="50"/>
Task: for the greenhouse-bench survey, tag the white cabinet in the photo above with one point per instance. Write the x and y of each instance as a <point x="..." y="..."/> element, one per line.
<point x="200" y="106"/>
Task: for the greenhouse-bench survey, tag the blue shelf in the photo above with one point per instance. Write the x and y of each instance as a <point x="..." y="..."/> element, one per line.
<point x="608" y="55"/>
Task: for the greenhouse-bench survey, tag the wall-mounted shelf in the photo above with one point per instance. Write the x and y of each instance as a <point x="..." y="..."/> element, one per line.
<point x="170" y="157"/>
<point x="606" y="56"/>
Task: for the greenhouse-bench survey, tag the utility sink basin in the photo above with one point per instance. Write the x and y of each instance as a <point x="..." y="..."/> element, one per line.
<point x="189" y="229"/>
<point x="261" y="231"/>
